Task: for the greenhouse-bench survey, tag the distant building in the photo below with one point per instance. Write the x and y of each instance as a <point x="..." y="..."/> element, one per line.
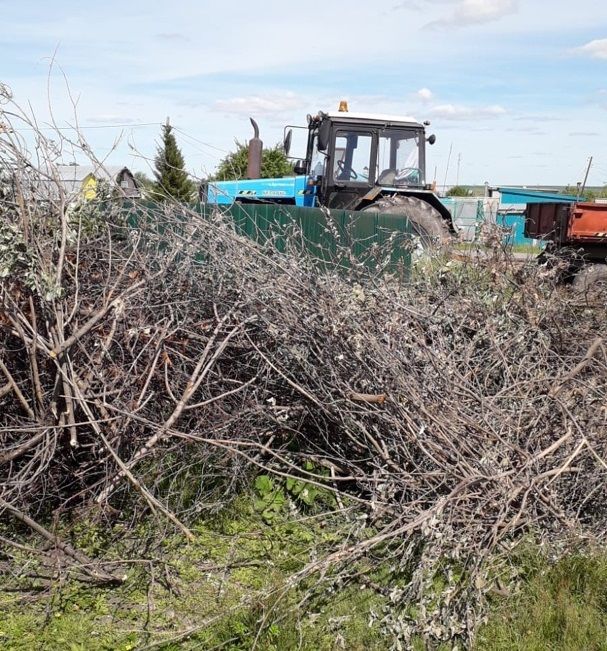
<point x="84" y="180"/>
<point x="70" y="183"/>
<point x="127" y="185"/>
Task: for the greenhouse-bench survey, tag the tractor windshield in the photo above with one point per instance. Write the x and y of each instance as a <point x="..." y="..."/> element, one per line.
<point x="352" y="156"/>
<point x="398" y="158"/>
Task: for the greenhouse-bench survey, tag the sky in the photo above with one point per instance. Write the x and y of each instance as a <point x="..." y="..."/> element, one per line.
<point x="516" y="90"/>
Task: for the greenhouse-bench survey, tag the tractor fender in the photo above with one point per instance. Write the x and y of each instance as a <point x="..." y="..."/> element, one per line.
<point x="435" y="202"/>
<point x="378" y="194"/>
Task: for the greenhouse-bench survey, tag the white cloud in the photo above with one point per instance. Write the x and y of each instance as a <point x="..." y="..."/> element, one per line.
<point x="539" y="118"/>
<point x="483" y="11"/>
<point x="475" y="12"/>
<point x="530" y="131"/>
<point x="460" y="112"/>
<point x="409" y="5"/>
<point x="424" y="94"/>
<point x="596" y="49"/>
<point x="260" y="105"/>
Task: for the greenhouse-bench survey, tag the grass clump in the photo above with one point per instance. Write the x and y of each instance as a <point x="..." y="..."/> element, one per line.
<point x="560" y="606"/>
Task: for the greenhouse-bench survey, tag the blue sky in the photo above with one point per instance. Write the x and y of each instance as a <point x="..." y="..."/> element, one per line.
<point x="516" y="89"/>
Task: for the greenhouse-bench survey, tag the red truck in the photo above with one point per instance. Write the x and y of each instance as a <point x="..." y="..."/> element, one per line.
<point x="576" y="232"/>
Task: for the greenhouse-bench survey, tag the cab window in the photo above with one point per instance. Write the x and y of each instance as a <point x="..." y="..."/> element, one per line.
<point x="352" y="157"/>
<point x="398" y="158"/>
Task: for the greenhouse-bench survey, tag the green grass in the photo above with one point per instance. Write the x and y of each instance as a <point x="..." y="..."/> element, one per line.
<point x="526" y="248"/>
<point x="472" y="247"/>
<point x="561" y="607"/>
<point x="227" y="587"/>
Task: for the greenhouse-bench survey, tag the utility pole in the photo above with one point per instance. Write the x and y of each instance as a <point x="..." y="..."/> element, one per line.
<point x="447" y="170"/>
<point x="581" y="190"/>
<point x="459" y="162"/>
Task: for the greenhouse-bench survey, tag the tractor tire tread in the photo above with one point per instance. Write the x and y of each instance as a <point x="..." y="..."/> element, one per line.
<point x="425" y="220"/>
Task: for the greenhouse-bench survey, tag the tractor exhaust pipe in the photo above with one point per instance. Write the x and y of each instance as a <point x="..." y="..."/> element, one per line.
<point x="255" y="151"/>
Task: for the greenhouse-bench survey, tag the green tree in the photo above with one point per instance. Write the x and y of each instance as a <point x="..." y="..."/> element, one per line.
<point x="589" y="194"/>
<point x="171" y="178"/>
<point x="459" y="191"/>
<point x="144" y="181"/>
<point x="274" y="164"/>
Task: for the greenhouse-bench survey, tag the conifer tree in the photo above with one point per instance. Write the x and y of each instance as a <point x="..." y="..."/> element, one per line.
<point x="171" y="178"/>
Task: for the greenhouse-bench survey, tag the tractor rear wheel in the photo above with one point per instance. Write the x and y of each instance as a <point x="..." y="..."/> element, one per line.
<point x="426" y="222"/>
<point x="591" y="281"/>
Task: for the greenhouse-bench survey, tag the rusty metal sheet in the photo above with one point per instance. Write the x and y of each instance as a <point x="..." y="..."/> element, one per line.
<point x="547" y="221"/>
<point x="588" y="223"/>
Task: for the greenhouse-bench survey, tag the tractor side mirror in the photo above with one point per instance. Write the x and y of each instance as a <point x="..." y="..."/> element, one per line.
<point x="300" y="167"/>
<point x="286" y="145"/>
<point x="431" y="139"/>
<point x="324" y="131"/>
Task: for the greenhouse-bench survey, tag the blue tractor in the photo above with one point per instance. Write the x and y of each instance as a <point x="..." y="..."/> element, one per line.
<point x="354" y="161"/>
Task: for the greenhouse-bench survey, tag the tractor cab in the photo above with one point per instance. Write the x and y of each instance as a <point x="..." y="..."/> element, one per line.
<point x="352" y="158"/>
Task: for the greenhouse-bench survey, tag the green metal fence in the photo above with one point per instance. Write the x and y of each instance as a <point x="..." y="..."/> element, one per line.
<point x="335" y="237"/>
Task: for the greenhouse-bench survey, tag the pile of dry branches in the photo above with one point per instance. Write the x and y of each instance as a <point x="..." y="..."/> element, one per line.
<point x="156" y="358"/>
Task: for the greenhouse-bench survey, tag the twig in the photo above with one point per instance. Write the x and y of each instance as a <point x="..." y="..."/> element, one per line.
<point x="86" y="564"/>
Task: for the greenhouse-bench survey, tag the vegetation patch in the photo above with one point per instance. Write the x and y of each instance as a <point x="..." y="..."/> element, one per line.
<point x="560" y="606"/>
<point x="227" y="588"/>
